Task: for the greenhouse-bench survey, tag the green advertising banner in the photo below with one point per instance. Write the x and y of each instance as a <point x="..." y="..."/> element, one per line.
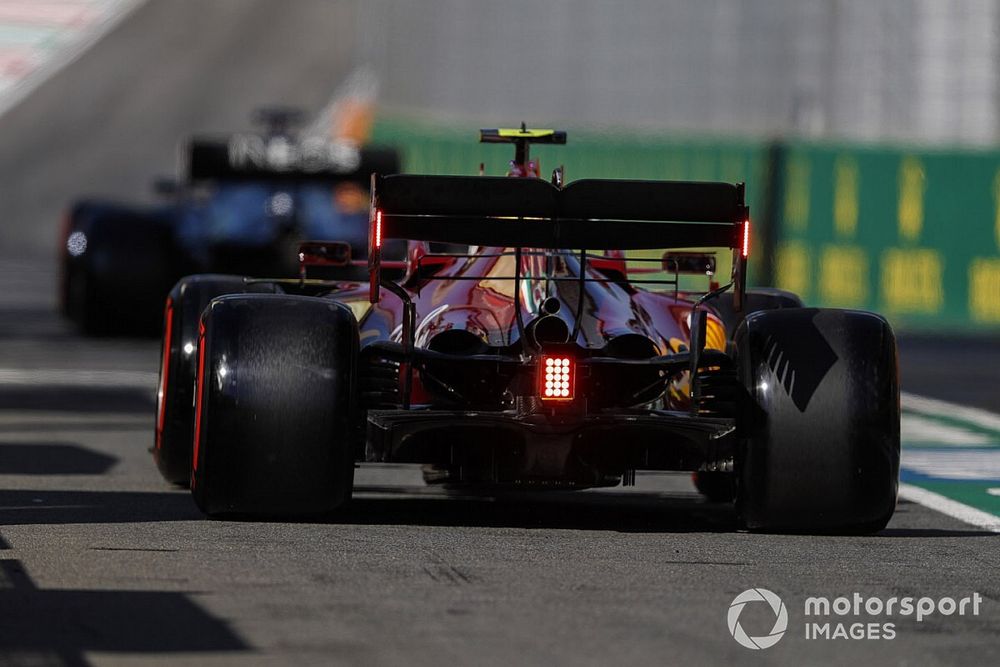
<point x="912" y="234"/>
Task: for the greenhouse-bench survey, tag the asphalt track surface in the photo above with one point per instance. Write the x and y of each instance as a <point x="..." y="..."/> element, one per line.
<point x="102" y="563"/>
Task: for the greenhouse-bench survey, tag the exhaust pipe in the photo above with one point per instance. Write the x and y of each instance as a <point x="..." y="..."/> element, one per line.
<point x="548" y="329"/>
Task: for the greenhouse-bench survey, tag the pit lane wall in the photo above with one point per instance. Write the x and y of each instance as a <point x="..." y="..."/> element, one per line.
<point x="910" y="233"/>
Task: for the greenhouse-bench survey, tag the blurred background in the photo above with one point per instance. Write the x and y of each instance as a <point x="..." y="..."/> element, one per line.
<point x="866" y="132"/>
<point x="921" y="71"/>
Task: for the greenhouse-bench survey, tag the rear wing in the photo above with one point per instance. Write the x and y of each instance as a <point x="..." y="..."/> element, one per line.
<point x="591" y="213"/>
<point x="246" y="157"/>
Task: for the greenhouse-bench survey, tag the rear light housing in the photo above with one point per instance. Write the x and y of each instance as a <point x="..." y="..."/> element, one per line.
<point x="556" y="377"/>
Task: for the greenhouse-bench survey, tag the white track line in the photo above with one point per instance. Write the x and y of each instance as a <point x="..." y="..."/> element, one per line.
<point x="78" y="378"/>
<point x="935" y="501"/>
<point x="949" y="507"/>
<point x="982" y="464"/>
<point x="918" y="429"/>
<point x="938" y="408"/>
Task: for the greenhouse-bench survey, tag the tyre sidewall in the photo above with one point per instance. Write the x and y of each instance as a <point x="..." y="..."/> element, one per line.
<point x="277" y="406"/>
<point x="832" y="463"/>
<point x="188" y="299"/>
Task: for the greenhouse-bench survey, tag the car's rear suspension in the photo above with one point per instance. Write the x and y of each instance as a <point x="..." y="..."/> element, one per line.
<point x="718" y="392"/>
<point x="378" y="382"/>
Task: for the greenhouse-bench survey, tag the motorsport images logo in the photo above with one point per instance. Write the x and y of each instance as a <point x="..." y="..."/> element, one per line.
<point x="780" y="618"/>
<point x="846" y="617"/>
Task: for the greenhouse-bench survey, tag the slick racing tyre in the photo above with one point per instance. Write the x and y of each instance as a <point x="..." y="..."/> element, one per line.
<point x="819" y="423"/>
<point x="122" y="268"/>
<point x="716" y="486"/>
<point x="755" y="300"/>
<point x="275" y="424"/>
<point x="178" y="367"/>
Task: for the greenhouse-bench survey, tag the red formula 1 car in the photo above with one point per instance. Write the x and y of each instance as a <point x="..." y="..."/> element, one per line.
<point x="539" y="358"/>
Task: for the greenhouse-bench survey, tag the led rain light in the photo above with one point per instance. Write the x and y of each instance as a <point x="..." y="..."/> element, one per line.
<point x="556" y="378"/>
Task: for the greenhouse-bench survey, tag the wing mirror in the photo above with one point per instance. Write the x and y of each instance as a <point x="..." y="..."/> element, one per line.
<point x="315" y="254"/>
<point x="421" y="262"/>
<point x="689" y="263"/>
<point x="612" y="264"/>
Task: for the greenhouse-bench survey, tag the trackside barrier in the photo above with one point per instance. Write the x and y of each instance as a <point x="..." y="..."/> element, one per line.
<point x="910" y="233"/>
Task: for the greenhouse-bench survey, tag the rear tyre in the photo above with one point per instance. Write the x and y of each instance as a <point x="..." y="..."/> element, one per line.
<point x="275" y="423"/>
<point x="123" y="267"/>
<point x="819" y="422"/>
<point x="716" y="486"/>
<point x="178" y="368"/>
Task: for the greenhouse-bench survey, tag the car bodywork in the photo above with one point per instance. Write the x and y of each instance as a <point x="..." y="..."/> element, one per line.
<point x="471" y="336"/>
<point x="540" y="357"/>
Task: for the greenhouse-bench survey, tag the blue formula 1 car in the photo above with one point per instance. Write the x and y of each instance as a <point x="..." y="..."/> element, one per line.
<point x="243" y="206"/>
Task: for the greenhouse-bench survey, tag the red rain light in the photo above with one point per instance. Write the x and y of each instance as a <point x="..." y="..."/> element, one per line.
<point x="556" y="378"/>
<point x="745" y="251"/>
<point x="378" y="229"/>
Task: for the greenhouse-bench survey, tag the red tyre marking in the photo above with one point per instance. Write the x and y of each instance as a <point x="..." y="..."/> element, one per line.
<point x="200" y="398"/>
<point x="161" y="396"/>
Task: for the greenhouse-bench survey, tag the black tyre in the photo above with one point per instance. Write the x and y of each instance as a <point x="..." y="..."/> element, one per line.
<point x="755" y="300"/>
<point x="118" y="266"/>
<point x="178" y="368"/>
<point x="716" y="486"/>
<point x="820" y="421"/>
<point x="275" y="425"/>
